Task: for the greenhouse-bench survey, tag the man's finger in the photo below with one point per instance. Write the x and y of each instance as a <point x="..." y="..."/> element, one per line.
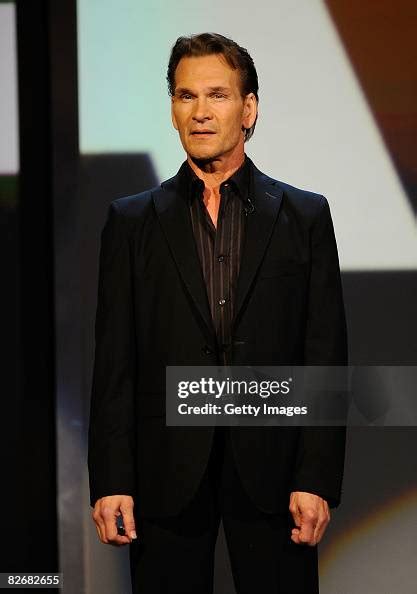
<point x="99" y="534"/>
<point x="295" y="532"/>
<point x="99" y="525"/>
<point x="321" y="526"/>
<point x="318" y="533"/>
<point x="296" y="537"/>
<point x="296" y="514"/>
<point x="109" y="515"/>
<point x="129" y="521"/>
<point x="307" y="527"/>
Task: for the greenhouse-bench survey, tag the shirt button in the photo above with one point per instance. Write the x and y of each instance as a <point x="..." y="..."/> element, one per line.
<point x="220" y="258"/>
<point x="222" y="301"/>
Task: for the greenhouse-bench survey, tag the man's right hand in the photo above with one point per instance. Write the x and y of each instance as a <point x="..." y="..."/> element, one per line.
<point x="105" y="513"/>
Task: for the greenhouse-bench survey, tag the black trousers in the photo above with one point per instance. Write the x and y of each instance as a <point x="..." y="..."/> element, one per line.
<point x="175" y="555"/>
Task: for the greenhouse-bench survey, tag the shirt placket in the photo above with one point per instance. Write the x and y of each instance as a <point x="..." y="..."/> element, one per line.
<point x="222" y="264"/>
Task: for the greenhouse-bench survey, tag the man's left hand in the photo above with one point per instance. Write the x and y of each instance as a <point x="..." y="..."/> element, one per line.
<point x="311" y="515"/>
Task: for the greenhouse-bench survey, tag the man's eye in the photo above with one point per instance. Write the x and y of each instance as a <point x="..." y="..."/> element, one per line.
<point x="218" y="95"/>
<point x="186" y="96"/>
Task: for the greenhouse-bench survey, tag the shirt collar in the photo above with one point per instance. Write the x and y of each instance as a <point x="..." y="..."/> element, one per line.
<point x="191" y="185"/>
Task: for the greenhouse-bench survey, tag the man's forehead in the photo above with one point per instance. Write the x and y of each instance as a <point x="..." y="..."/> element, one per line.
<point x="205" y="67"/>
<point x="180" y="88"/>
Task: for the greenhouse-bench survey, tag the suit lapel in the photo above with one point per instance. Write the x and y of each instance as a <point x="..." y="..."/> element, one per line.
<point x="173" y="213"/>
<point x="174" y="216"/>
<point x="259" y="225"/>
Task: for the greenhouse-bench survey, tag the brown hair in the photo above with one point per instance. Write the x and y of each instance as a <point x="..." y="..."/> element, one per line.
<point x="206" y="44"/>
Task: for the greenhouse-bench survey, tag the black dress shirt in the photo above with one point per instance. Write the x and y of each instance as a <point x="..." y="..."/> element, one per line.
<point x="220" y="248"/>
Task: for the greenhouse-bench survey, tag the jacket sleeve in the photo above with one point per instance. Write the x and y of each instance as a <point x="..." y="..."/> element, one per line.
<point x="321" y="451"/>
<point x="111" y="437"/>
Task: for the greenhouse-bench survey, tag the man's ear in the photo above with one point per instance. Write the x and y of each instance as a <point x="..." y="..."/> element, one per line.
<point x="250" y="111"/>
<point x="173" y="118"/>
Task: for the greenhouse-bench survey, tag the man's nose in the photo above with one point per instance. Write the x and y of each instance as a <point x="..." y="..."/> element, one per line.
<point x="201" y="110"/>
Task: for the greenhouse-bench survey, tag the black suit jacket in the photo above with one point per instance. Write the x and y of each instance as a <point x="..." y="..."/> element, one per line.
<point x="153" y="311"/>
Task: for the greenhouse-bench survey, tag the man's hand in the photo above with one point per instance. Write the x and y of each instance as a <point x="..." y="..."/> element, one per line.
<point x="105" y="512"/>
<point x="311" y="515"/>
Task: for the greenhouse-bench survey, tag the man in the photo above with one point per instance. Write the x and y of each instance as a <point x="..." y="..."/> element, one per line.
<point x="219" y="265"/>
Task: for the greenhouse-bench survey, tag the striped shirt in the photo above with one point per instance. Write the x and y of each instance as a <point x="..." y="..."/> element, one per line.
<point x="220" y="248"/>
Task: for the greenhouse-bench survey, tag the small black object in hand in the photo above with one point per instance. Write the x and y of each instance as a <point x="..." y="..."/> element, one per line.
<point x="120" y="526"/>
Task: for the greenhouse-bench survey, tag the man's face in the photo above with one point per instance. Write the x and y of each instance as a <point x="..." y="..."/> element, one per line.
<point x="208" y="109"/>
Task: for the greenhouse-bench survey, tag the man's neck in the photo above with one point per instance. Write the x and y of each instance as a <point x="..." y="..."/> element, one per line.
<point x="214" y="173"/>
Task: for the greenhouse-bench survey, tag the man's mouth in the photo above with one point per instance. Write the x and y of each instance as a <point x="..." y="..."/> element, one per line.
<point x="202" y="132"/>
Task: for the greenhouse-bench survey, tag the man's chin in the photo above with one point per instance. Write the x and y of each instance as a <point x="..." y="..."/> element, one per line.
<point x="203" y="156"/>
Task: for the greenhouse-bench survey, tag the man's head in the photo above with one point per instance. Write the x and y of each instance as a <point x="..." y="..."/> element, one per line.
<point x="214" y="89"/>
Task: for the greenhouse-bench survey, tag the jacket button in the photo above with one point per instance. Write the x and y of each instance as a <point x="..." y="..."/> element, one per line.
<point x="207" y="350"/>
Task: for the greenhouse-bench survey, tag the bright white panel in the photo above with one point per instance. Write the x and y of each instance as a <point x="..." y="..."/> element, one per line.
<point x="9" y="155"/>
